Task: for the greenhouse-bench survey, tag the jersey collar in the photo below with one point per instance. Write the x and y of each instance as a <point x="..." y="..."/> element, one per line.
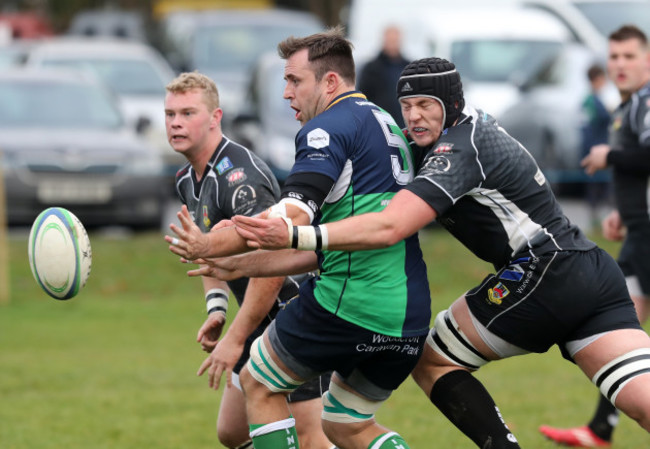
<point x="344" y="96"/>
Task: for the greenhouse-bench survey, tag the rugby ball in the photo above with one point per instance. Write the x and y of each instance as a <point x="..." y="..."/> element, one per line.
<point x="59" y="253"/>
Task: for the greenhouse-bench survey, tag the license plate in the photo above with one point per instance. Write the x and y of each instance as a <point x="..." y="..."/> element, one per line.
<point x="74" y="192"/>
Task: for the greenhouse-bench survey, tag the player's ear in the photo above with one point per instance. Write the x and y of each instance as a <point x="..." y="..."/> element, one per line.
<point x="217" y="114"/>
<point x="332" y="81"/>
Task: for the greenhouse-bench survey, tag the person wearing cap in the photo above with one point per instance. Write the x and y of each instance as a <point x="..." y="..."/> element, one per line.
<point x="551" y="285"/>
<point x="366" y="315"/>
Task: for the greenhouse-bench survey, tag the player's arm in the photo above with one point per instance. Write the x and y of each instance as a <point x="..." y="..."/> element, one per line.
<point x="192" y="244"/>
<point x="258" y="264"/>
<point x="404" y="216"/>
<point x="216" y="301"/>
<point x="261" y="293"/>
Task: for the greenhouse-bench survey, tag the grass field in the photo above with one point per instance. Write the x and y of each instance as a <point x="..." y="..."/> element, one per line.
<point x="114" y="368"/>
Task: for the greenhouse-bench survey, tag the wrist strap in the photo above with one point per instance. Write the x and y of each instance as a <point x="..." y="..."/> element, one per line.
<point x="309" y="238"/>
<point x="216" y="300"/>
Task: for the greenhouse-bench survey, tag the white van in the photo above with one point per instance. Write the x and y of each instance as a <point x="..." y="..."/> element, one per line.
<point x="493" y="47"/>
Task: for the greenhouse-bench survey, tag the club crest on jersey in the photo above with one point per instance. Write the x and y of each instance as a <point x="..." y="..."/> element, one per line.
<point x="318" y="138"/>
<point x="244" y="200"/>
<point x="443" y="148"/>
<point x="616" y="124"/>
<point x="497" y="293"/>
<point x="236" y="176"/>
<point x="438" y="164"/>
<point x="224" y="165"/>
<point x="206" y="218"/>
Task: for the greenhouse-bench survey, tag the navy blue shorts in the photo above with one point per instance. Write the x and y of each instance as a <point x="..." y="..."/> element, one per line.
<point x="311" y="341"/>
<point x="312" y="389"/>
<point x="558" y="297"/>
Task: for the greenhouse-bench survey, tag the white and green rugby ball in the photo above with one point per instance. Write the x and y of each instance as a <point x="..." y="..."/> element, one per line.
<point x="59" y="253"/>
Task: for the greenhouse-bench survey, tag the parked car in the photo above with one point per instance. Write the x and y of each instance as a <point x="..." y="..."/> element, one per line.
<point x="547" y="117"/>
<point x="65" y="143"/>
<point x="225" y="44"/>
<point x="494" y="47"/>
<point x="136" y="72"/>
<point x="267" y="124"/>
<point x="591" y="21"/>
<point x="14" y="53"/>
<point x="109" y="22"/>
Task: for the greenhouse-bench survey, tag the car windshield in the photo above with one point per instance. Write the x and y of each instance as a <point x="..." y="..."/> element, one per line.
<point x="236" y="47"/>
<point x="609" y="16"/>
<point x="55" y="105"/>
<point x="498" y="60"/>
<point x="124" y="76"/>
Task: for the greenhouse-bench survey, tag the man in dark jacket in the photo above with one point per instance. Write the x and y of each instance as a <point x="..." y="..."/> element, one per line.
<point x="379" y="76"/>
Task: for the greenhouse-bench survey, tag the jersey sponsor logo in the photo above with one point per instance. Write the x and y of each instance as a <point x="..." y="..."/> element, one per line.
<point x="438" y="164"/>
<point x="497" y="293"/>
<point x="224" y="165"/>
<point x="244" y="200"/>
<point x="206" y="217"/>
<point x="235" y="177"/>
<point x="539" y="177"/>
<point x="318" y="138"/>
<point x="317" y="156"/>
<point x="443" y="148"/>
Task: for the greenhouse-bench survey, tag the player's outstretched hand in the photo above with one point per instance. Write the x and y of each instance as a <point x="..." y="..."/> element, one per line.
<point x="222" y="360"/>
<point x="270" y="233"/>
<point x="190" y="243"/>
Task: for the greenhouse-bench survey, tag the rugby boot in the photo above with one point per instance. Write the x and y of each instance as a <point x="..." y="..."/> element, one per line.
<point x="574" y="437"/>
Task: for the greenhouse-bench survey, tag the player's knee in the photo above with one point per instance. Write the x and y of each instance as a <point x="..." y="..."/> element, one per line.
<point x="448" y="342"/>
<point x="341" y="406"/>
<point x="261" y="371"/>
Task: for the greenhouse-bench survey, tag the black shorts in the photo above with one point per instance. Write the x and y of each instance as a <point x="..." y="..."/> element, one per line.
<point x="558" y="297"/>
<point x="634" y="258"/>
<point x="310" y="341"/>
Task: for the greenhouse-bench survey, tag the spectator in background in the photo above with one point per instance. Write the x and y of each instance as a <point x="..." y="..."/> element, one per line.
<point x="594" y="132"/>
<point x="379" y="77"/>
<point x="628" y="154"/>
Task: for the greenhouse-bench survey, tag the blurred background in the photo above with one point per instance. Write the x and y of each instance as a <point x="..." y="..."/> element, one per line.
<point x="82" y="84"/>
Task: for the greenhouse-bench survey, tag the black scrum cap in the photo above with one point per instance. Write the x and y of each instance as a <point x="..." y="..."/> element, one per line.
<point x="435" y="78"/>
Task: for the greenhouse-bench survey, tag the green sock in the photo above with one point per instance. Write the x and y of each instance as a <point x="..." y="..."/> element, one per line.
<point x="390" y="440"/>
<point x="276" y="435"/>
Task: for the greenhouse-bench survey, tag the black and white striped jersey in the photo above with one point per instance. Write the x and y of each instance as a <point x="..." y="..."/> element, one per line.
<point x="235" y="182"/>
<point x="629" y="139"/>
<point x="488" y="191"/>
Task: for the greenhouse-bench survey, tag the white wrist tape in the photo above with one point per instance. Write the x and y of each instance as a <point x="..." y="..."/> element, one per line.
<point x="309" y="238"/>
<point x="216" y="300"/>
<point x="276" y="212"/>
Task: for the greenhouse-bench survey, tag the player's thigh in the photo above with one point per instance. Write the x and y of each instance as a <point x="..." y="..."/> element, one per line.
<point x="608" y="347"/>
<point x="618" y="363"/>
